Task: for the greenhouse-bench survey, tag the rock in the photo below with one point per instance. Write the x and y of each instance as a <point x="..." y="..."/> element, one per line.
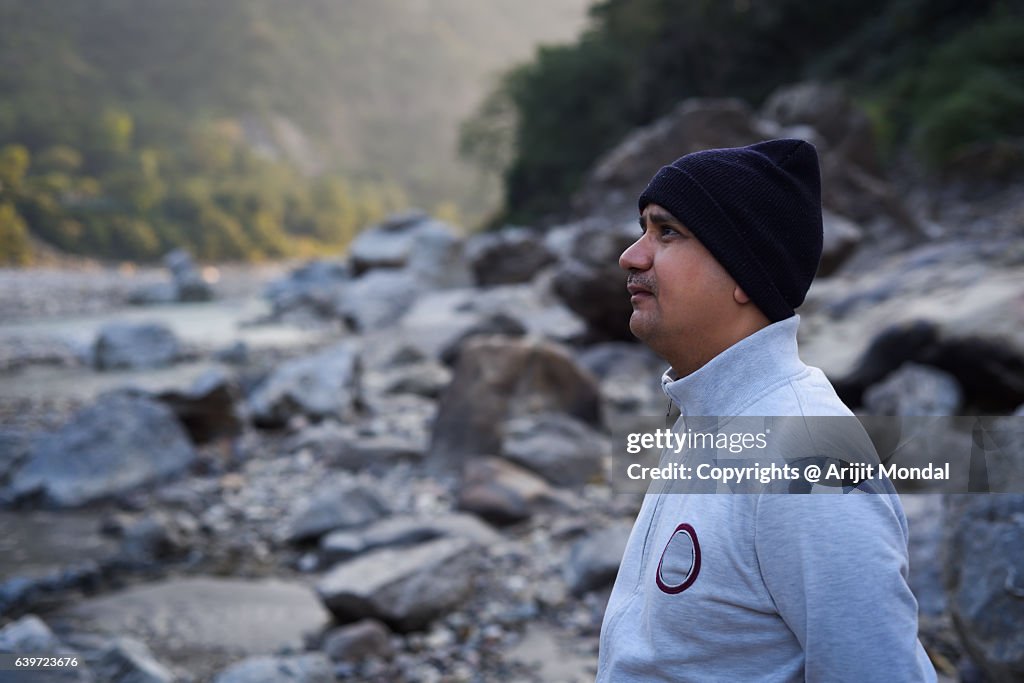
<point x="363" y="639"/>
<point x="590" y="282"/>
<point x="311" y="668"/>
<point x="159" y="536"/>
<point x="840" y="238"/>
<point x="127" y="660"/>
<point x="503" y="493"/>
<point x="499" y="324"/>
<point x="509" y="256"/>
<point x="180" y="263"/>
<point x="14" y="447"/>
<point x="31" y="636"/>
<point x="406" y="588"/>
<point x="914" y="390"/>
<point x="135" y="345"/>
<point x="620" y="174"/>
<point x="630" y="379"/>
<point x="320" y="386"/>
<point x="236" y="354"/>
<point x="377" y="299"/>
<point x="559" y="448"/>
<point x="404" y="530"/>
<point x="985" y="581"/>
<point x="313" y="287"/>
<point x="594" y="560"/>
<point x="207" y="407"/>
<point x="203" y="620"/>
<point x="333" y="507"/>
<point x="121" y="442"/>
<point x="830" y="111"/>
<point x="427" y="379"/>
<point x="499" y="378"/>
<point x="944" y="305"/>
<point x="427" y="248"/>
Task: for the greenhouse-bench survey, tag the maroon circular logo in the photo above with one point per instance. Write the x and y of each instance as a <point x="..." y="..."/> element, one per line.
<point x="680" y="561"/>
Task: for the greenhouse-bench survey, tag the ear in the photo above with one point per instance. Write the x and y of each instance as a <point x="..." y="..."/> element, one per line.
<point x="740" y="296"/>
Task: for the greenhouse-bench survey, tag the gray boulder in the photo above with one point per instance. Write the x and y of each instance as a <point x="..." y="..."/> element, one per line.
<point x="323" y="385"/>
<point x="594" y="560"/>
<point x="840" y="238"/>
<point x="207" y="407"/>
<point x="127" y="660"/>
<point x="509" y="256"/>
<point x="588" y="278"/>
<point x="406" y="588"/>
<point x="377" y="299"/>
<point x="365" y="638"/>
<point x="313" y="287"/>
<point x="499" y="378"/>
<point x="121" y="442"/>
<point x="559" y="448"/>
<point x="915" y="390"/>
<point x="309" y="668"/>
<point x="427" y="248"/>
<point x="405" y="530"/>
<point x="985" y="580"/>
<point x="135" y="345"/>
<point x="333" y="507"/>
<point x="31" y="636"/>
<point x="504" y="493"/>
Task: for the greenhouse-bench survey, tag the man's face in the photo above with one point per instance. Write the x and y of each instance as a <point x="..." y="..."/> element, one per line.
<point x="680" y="294"/>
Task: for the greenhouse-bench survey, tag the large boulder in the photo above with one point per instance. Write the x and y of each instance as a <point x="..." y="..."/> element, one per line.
<point x="985" y="580"/>
<point x="832" y="113"/>
<point x="121" y="442"/>
<point x="504" y="493"/>
<point x="324" y="385"/>
<point x="914" y="390"/>
<point x="509" y="256"/>
<point x="307" y="668"/>
<point x="619" y="176"/>
<point x="427" y="248"/>
<point x="588" y="278"/>
<point x="594" y="560"/>
<point x="840" y="237"/>
<point x="207" y="407"/>
<point x="313" y="287"/>
<point x="31" y="636"/>
<point x="204" y="622"/>
<point x="561" y="449"/>
<point x="406" y="588"/>
<point x="135" y="345"/>
<point x="954" y="306"/>
<point x="187" y="283"/>
<point x="377" y="299"/>
<point x="498" y="378"/>
<point x="333" y="507"/>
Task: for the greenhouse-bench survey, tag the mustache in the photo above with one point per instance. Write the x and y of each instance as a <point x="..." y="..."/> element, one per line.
<point x="642" y="281"/>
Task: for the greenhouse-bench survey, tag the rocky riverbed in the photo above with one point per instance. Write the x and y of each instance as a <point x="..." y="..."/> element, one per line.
<point x="394" y="466"/>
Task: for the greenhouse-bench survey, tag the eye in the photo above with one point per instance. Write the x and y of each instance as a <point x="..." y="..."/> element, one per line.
<point x="667" y="232"/>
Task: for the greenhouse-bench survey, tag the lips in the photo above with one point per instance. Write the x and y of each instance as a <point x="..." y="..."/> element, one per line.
<point x="638" y="292"/>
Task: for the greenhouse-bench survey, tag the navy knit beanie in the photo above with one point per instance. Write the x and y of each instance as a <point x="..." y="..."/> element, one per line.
<point x="757" y="209"/>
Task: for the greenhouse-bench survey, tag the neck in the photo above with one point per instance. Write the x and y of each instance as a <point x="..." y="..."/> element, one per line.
<point x="689" y="355"/>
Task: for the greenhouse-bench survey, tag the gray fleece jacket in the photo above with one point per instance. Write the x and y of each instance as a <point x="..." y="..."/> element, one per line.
<point x="763" y="587"/>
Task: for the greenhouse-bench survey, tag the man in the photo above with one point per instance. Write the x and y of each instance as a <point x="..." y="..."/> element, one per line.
<point x="749" y="587"/>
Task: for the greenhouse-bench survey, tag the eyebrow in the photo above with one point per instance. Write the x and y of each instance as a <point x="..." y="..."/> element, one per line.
<point x="659" y="217"/>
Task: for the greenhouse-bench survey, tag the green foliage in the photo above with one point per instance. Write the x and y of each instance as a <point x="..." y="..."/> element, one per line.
<point x="640" y="57"/>
<point x="129" y="127"/>
<point x="15" y="249"/>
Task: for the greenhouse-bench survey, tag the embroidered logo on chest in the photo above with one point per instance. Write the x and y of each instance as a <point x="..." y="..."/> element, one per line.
<point x="680" y="561"/>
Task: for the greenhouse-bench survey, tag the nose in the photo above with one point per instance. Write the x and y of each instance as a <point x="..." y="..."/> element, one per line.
<point x="637" y="256"/>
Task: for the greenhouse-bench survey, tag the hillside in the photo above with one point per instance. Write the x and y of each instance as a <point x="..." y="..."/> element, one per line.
<point x="124" y="125"/>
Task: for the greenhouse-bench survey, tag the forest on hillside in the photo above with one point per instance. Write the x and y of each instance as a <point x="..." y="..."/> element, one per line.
<point x="940" y="79"/>
<point x="243" y="129"/>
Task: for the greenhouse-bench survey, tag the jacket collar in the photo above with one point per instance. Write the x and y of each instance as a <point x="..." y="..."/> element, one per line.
<point x="739" y="375"/>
